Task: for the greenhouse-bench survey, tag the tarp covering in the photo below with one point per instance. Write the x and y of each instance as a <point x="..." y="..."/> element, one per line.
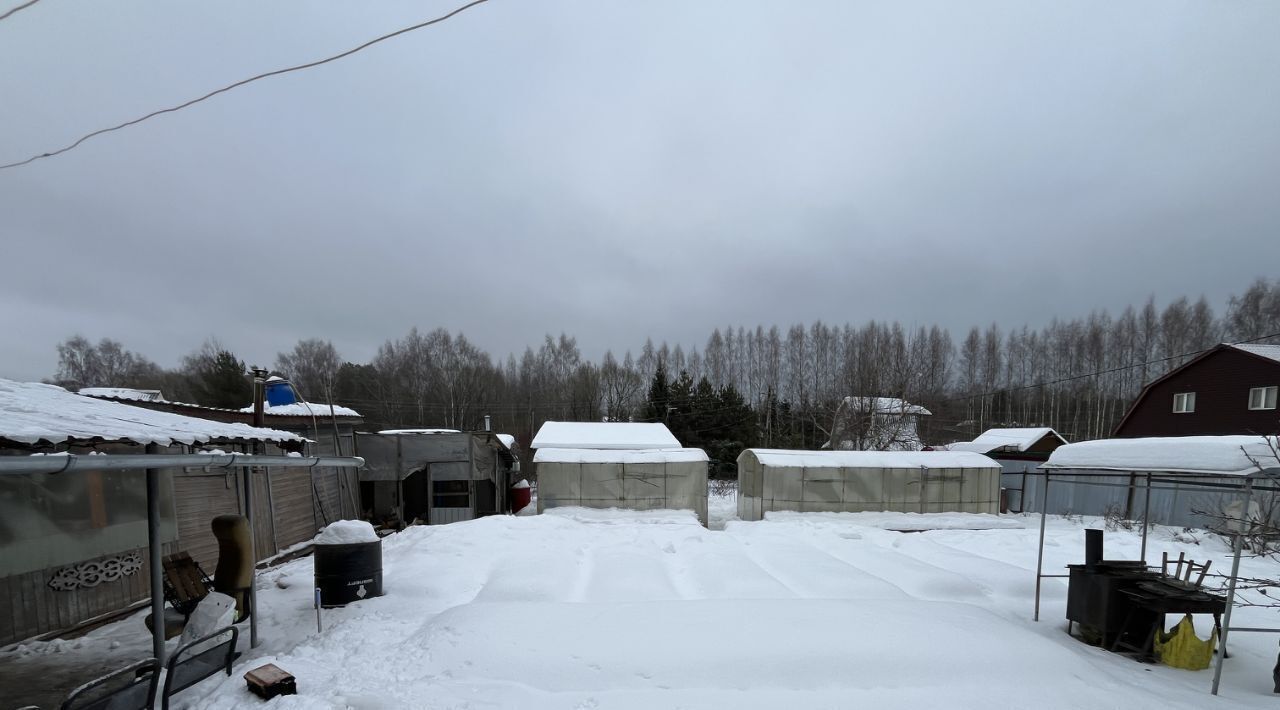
<point x="604" y="435"/>
<point x="31" y="412"/>
<point x="1212" y="455"/>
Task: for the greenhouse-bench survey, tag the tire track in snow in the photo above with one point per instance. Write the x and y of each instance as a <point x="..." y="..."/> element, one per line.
<point x="812" y="573"/>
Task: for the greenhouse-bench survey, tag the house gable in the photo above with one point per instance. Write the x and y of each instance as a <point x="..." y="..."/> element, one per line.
<point x="1221" y="379"/>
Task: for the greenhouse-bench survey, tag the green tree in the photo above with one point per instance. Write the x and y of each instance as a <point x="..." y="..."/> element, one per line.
<point x="218" y="379"/>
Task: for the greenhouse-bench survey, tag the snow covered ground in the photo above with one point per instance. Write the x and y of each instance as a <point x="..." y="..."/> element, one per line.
<point x="583" y="608"/>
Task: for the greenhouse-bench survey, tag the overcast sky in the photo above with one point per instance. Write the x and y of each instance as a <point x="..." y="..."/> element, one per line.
<point x="622" y="170"/>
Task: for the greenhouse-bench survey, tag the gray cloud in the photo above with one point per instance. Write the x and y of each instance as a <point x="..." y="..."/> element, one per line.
<point x="626" y="170"/>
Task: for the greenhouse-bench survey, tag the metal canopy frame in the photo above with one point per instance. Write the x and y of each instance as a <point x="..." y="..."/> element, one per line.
<point x="1183" y="479"/>
<point x="156" y="464"/>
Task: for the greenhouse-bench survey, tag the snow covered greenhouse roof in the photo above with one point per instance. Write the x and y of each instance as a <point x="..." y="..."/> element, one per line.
<point x="619" y="456"/>
<point x="604" y="435"/>
<point x="31" y="412"/>
<point x="1212" y="455"/>
<point x="783" y="458"/>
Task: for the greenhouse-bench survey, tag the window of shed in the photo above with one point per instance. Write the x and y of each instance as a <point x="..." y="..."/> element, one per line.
<point x="1184" y="402"/>
<point x="1262" y="398"/>
<point x="451" y="494"/>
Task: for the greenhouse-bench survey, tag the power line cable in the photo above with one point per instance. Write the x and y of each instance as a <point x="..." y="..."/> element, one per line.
<point x="23" y="6"/>
<point x="237" y="84"/>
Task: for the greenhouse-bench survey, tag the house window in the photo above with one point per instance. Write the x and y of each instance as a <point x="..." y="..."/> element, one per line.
<point x="1184" y="402"/>
<point x="1262" y="398"/>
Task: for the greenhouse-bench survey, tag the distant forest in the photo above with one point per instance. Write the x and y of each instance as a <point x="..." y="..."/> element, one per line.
<point x="757" y="386"/>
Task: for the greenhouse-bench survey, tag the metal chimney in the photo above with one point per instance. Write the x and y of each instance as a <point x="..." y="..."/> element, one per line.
<point x="486" y="423"/>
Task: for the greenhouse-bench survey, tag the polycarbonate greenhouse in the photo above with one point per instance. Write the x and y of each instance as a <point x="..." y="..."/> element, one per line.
<point x="635" y="479"/>
<point x="857" y="481"/>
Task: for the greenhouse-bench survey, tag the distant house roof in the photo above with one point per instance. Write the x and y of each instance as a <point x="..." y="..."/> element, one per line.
<point x="884" y="405"/>
<point x="1006" y="440"/>
<point x="604" y="435"/>
<point x="619" y="455"/>
<point x="871" y="459"/>
<point x="1228" y="455"/>
<point x="31" y="412"/>
<point x="507" y="440"/>
<point x="1271" y="352"/>
<point x="123" y="393"/>
<point x="304" y="409"/>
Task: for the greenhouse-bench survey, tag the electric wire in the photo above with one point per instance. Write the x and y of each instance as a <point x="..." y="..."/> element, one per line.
<point x="240" y="83"/>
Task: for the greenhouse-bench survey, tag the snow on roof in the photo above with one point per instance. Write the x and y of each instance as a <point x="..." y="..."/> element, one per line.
<point x="31" y="412"/>
<point x="1005" y="439"/>
<point x="546" y="455"/>
<point x="1268" y="351"/>
<point x="128" y="393"/>
<point x="884" y="405"/>
<point x="872" y="459"/>
<point x="604" y="435"/>
<point x="507" y="440"/>
<point x="1230" y="455"/>
<point x="304" y="409"/>
<point x="420" y="431"/>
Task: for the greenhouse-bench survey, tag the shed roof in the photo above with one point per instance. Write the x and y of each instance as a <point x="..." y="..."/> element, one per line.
<point x="1217" y="455"/>
<point x="619" y="455"/>
<point x="31" y="412"/>
<point x="125" y="393"/>
<point x="1019" y="439"/>
<point x="872" y="459"/>
<point x="604" y="435"/>
<point x="884" y="405"/>
<point x="305" y="409"/>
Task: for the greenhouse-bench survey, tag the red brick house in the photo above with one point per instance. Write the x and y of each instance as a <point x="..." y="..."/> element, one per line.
<point x="1229" y="389"/>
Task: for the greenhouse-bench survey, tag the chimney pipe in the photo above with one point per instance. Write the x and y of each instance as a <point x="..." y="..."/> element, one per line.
<point x="486" y="423"/>
<point x="1092" y="547"/>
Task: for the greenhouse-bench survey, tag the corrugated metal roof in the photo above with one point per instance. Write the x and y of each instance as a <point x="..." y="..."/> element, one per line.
<point x="31" y="412"/>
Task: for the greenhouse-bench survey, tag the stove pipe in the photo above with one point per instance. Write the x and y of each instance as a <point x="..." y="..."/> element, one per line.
<point x="1092" y="547"/>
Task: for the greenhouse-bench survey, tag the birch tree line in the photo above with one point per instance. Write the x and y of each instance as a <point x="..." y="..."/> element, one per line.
<point x="1077" y="375"/>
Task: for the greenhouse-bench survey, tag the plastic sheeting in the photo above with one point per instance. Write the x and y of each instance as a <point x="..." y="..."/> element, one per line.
<point x="677" y="485"/>
<point x="814" y="487"/>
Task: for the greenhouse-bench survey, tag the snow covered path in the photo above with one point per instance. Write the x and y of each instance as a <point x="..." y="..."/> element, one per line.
<point x="610" y="609"/>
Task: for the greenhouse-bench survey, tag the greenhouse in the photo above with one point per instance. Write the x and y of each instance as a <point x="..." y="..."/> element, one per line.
<point x="635" y="479"/>
<point x="857" y="481"/>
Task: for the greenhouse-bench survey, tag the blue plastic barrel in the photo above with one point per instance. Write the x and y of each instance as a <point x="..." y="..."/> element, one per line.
<point x="279" y="392"/>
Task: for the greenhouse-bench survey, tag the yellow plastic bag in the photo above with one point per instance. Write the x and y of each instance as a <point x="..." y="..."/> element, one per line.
<point x="1181" y="648"/>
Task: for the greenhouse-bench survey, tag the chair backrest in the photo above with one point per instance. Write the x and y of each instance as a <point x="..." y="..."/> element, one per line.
<point x="130" y="688"/>
<point x="1184" y="569"/>
<point x="198" y="660"/>
<point x="184" y="581"/>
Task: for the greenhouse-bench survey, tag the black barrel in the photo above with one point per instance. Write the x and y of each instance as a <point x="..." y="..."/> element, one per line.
<point x="349" y="572"/>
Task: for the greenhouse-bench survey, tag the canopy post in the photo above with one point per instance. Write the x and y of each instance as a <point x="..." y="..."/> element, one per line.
<point x="1237" y="548"/>
<point x="1044" y="512"/>
<point x="154" y="560"/>
<point x="1146" y="518"/>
